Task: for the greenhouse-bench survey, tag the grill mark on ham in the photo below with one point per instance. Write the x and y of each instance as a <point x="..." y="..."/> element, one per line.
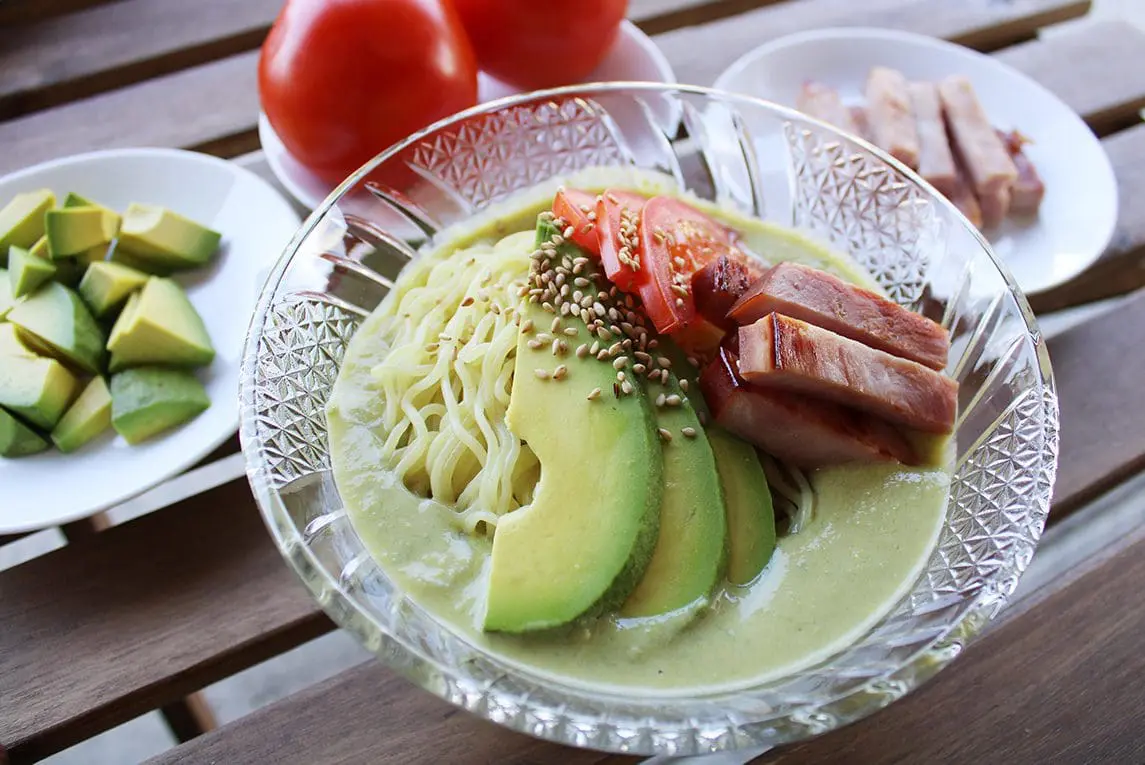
<point x="827" y="301"/>
<point x="799" y="430"/>
<point x="779" y="352"/>
<point x="890" y="115"/>
<point x="716" y="287"/>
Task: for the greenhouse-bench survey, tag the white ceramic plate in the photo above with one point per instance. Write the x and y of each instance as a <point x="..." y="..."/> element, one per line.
<point x="634" y="58"/>
<point x="1079" y="211"/>
<point x="256" y="223"/>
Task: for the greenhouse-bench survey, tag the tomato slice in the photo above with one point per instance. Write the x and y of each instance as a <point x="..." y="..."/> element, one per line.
<point x="676" y="241"/>
<point x="577" y="208"/>
<point x="618" y="223"/>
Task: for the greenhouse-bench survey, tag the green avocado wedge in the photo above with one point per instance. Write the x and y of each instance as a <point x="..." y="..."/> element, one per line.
<point x="17" y="439"/>
<point x="85" y="419"/>
<point x="149" y="400"/>
<point x="585" y="540"/>
<point x="751" y="518"/>
<point x="691" y="551"/>
<point x="37" y="389"/>
<point x="22" y="220"/>
<point x="26" y="272"/>
<point x="55" y="322"/>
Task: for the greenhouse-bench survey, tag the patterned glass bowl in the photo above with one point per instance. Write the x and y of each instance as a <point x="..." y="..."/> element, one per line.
<point x="748" y="155"/>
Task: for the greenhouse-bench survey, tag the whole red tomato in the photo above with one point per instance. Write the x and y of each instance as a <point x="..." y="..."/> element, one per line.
<point x="341" y="80"/>
<point x="539" y="44"/>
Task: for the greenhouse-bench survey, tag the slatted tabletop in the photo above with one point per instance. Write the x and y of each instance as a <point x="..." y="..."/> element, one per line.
<point x="130" y="617"/>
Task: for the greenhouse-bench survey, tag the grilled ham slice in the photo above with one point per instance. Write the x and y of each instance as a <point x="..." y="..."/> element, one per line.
<point x="890" y="115"/>
<point x="779" y="352"/>
<point x="822" y="102"/>
<point x="827" y="301"/>
<point x="935" y="160"/>
<point x="794" y="428"/>
<point x="988" y="164"/>
<point x="1028" y="190"/>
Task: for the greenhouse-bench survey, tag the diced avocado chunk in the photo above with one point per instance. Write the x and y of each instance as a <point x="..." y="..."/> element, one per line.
<point x="751" y="518"/>
<point x="690" y="552"/>
<point x="99" y="251"/>
<point x="40" y="248"/>
<point x="17" y="439"/>
<point x="156" y="235"/>
<point x="22" y="220"/>
<point x="159" y="326"/>
<point x="89" y="416"/>
<point x="7" y="301"/>
<point x="39" y="390"/>
<point x="149" y="400"/>
<point x="26" y="272"/>
<point x="74" y="230"/>
<point x="75" y="200"/>
<point x="54" y="321"/>
<point x="10" y="343"/>
<point x="584" y="541"/>
<point x="106" y="285"/>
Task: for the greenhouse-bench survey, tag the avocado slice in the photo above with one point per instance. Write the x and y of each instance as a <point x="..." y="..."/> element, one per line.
<point x="149" y="400"/>
<point x="7" y="301"/>
<point x="26" y="272"/>
<point x="17" y="439"/>
<point x="75" y="230"/>
<point x="155" y="235"/>
<point x="22" y="220"/>
<point x="751" y="518"/>
<point x="37" y="389"/>
<point x="159" y="326"/>
<point x="55" y="322"/>
<point x="586" y="538"/>
<point x="89" y="416"/>
<point x="106" y="285"/>
<point x="10" y="344"/>
<point x="691" y="551"/>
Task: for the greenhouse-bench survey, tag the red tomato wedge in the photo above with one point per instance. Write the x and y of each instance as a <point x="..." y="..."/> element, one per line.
<point x="676" y="241"/>
<point x="620" y="247"/>
<point x="573" y="206"/>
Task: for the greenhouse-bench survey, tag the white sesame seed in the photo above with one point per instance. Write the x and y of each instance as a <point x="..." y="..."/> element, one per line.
<point x="620" y="362"/>
<point x="560" y="372"/>
<point x="595" y="348"/>
<point x="527" y="326"/>
<point x="542" y="374"/>
<point x="684" y="385"/>
<point x="556" y="348"/>
<point x="621" y="377"/>
<point x="602" y="356"/>
<point x="594" y="394"/>
<point x="665" y="436"/>
<point x="535" y="344"/>
<point x="581" y="351"/>
<point x="672" y="400"/>
<point x="639" y="369"/>
<point x="688" y="432"/>
<point x="570" y="331"/>
<point x="660" y="400"/>
<point x="468" y="301"/>
<point x="626" y="387"/>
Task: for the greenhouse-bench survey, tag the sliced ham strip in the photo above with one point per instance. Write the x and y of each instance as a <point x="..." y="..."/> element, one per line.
<point x="935" y="160"/>
<point x="962" y="196"/>
<point x="890" y="115"/>
<point x="794" y="428"/>
<point x="717" y="286"/>
<point x="862" y="122"/>
<point x="778" y="352"/>
<point x="822" y="102"/>
<point x="1028" y="190"/>
<point x="827" y="301"/>
<point x="987" y="162"/>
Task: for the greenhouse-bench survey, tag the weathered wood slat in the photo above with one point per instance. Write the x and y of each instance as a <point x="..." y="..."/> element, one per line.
<point x="139" y="616"/>
<point x="1121" y="268"/>
<point x="1099" y="368"/>
<point x="400" y="723"/>
<point x="1060" y="683"/>
<point x="27" y="11"/>
<point x="700" y="53"/>
<point x="365" y="710"/>
<point x="109" y="46"/>
<point x="198" y="107"/>
<point x="1078" y="68"/>
<point x="215" y="106"/>
<point x="62" y="58"/>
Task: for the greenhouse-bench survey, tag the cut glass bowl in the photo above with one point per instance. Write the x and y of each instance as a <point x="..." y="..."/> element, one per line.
<point x="747" y="155"/>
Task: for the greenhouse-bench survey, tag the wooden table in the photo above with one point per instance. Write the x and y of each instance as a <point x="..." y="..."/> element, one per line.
<point x="132" y="617"/>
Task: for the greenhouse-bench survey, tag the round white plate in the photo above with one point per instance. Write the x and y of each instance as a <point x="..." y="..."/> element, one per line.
<point x="634" y="58"/>
<point x="256" y="223"/>
<point x="1079" y="212"/>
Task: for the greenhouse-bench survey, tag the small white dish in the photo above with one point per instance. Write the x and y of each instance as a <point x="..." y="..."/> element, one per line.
<point x="1079" y="212"/>
<point x="256" y="223"/>
<point x="634" y="58"/>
